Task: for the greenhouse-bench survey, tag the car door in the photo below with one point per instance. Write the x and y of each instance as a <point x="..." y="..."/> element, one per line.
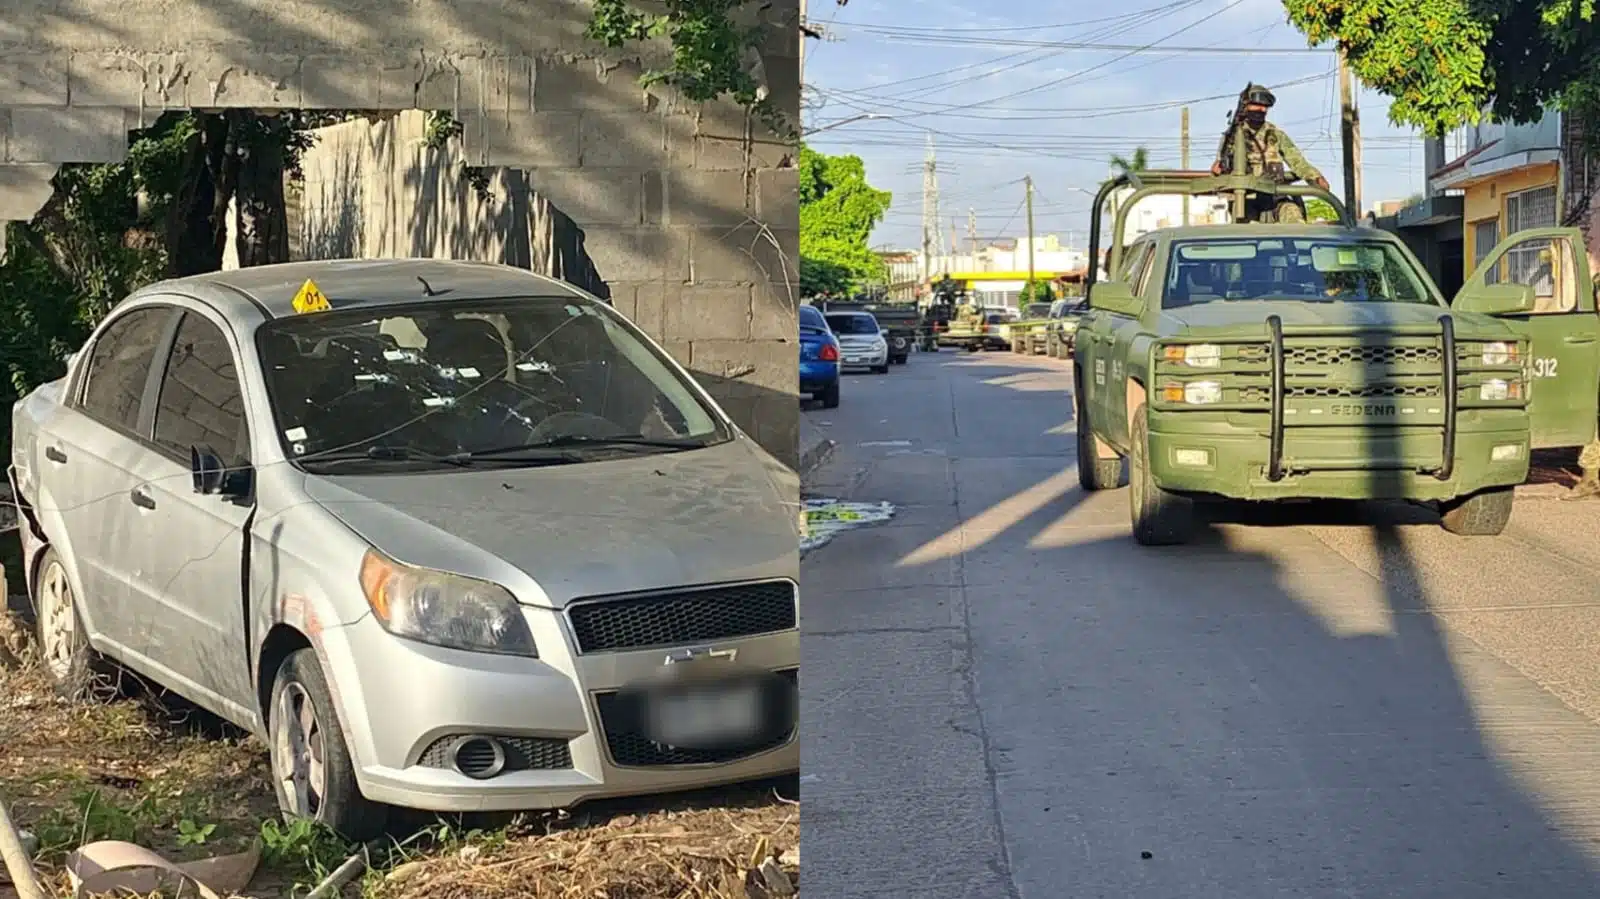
<point x="1094" y="338"/>
<point x="1563" y="329"/>
<point x="89" y="451"/>
<point x="1124" y="331"/>
<point x="189" y="581"/>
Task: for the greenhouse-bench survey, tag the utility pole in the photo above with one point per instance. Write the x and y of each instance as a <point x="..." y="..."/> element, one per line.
<point x="972" y="233"/>
<point x="930" y="210"/>
<point x="1350" y="136"/>
<point x="1183" y="163"/>
<point x="1028" y="180"/>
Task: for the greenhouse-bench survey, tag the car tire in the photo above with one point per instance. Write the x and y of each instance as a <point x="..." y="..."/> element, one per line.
<point x="1483" y="514"/>
<point x="1094" y="473"/>
<point x="76" y="672"/>
<point x="972" y="348"/>
<point x="881" y="369"/>
<point x="830" y="396"/>
<point x="312" y="772"/>
<point x="1160" y="517"/>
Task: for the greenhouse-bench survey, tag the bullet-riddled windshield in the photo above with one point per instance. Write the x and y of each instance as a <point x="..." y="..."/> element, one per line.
<point x="474" y="382"/>
<point x="1291" y="268"/>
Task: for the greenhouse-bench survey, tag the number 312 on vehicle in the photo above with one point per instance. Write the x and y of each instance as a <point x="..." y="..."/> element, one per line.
<point x="1545" y="368"/>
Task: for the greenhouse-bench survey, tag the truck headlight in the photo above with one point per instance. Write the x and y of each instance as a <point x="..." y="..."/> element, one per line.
<point x="1499" y="353"/>
<point x="444" y="609"/>
<point x="1199" y="355"/>
<point x="1497" y="389"/>
<point x="1194" y="393"/>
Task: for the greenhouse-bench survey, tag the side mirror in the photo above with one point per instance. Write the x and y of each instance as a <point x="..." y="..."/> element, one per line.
<point x="1496" y="299"/>
<point x="1117" y="297"/>
<point x="883" y="332"/>
<point x="212" y="476"/>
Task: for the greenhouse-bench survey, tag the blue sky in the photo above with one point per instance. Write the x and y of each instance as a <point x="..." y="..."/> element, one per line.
<point x="1004" y="92"/>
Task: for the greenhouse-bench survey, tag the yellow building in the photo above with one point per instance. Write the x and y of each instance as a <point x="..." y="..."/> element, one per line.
<point x="1509" y="179"/>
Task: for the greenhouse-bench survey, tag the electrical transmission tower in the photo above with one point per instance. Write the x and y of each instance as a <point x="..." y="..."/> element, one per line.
<point x="930" y="211"/>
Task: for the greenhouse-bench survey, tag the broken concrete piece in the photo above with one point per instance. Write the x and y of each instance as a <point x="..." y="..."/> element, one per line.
<point x="112" y="866"/>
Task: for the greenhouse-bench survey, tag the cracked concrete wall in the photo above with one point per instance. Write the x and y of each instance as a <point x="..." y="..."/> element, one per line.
<point x="690" y="209"/>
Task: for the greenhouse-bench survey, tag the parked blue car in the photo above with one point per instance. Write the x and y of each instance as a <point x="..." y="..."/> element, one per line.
<point x="819" y="358"/>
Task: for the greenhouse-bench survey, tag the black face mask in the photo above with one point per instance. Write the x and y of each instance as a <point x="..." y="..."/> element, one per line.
<point x="1255" y="117"/>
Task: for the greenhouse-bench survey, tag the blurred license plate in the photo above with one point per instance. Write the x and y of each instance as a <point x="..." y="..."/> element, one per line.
<point x="855" y="359"/>
<point x="705" y="717"/>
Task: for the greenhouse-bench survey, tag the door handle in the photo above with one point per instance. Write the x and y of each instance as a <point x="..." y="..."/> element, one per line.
<point x="141" y="499"/>
<point x="54" y="454"/>
<point x="1578" y="341"/>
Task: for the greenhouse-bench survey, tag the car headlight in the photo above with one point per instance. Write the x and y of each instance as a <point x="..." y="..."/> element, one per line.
<point x="1199" y="355"/>
<point x="1496" y="389"/>
<point x="1499" y="353"/>
<point x="444" y="609"/>
<point x="1194" y="393"/>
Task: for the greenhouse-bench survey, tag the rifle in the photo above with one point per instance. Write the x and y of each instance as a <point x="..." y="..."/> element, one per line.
<point x="1226" y="150"/>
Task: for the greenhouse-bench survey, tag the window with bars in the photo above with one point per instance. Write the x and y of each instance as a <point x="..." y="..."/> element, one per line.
<point x="1485" y="235"/>
<point x="1531" y="262"/>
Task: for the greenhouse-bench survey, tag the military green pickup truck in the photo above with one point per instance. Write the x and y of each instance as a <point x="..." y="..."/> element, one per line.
<point x="1309" y="361"/>
<point x="1028" y="331"/>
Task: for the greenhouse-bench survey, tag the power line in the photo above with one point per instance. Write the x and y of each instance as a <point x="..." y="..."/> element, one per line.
<point x="1095" y="46"/>
<point x="995" y="28"/>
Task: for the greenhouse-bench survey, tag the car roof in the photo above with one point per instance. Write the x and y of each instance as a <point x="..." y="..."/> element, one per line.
<point x="368" y="283"/>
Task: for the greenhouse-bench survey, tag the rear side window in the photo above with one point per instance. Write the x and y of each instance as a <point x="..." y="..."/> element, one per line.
<point x="119" y="365"/>
<point x="811" y="318"/>
<point x="201" y="401"/>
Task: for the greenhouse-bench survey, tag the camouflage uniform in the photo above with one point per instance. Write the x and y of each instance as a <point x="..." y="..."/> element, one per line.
<point x="1264" y="147"/>
<point x="1589" y="462"/>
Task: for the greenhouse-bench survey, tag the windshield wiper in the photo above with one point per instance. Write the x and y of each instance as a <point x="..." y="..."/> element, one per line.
<point x="386" y="453"/>
<point x="573" y="442"/>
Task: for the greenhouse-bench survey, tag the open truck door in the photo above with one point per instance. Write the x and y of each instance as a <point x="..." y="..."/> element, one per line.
<point x="1556" y="314"/>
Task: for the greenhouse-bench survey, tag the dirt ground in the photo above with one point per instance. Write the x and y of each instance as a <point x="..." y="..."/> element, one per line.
<point x="174" y="779"/>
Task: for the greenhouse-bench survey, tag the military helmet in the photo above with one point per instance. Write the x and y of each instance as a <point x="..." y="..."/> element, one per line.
<point x="1257" y="93"/>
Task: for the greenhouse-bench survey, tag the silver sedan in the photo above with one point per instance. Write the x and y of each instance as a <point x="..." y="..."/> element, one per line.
<point x="447" y="535"/>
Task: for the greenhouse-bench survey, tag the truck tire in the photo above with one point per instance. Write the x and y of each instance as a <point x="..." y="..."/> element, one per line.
<point x="1160" y="518"/>
<point x="1094" y="473"/>
<point x="1483" y="514"/>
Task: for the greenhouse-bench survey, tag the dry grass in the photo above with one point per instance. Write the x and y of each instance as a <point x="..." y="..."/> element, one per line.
<point x="152" y="771"/>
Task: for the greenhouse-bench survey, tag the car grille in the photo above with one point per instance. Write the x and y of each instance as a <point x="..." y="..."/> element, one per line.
<point x="684" y="616"/>
<point x="522" y="753"/>
<point x="630" y="750"/>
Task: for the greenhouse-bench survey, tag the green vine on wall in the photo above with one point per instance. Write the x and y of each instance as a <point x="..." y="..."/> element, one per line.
<point x="709" y="50"/>
<point x="440" y="130"/>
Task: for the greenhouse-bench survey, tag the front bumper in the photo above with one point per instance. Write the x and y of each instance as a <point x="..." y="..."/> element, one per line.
<point x="1236" y="450"/>
<point x="864" y="358"/>
<point x="401" y="698"/>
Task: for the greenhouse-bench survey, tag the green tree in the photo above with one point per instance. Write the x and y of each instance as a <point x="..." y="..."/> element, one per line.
<point x="838" y="210"/>
<point x="1442" y="62"/>
<point x="1037" y="292"/>
<point x="1138" y="162"/>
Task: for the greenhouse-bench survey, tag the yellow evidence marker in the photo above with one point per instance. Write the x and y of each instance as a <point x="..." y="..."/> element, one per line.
<point x="310" y="299"/>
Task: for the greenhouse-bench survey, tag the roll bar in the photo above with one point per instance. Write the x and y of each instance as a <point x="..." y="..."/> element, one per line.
<point x="1180" y="182"/>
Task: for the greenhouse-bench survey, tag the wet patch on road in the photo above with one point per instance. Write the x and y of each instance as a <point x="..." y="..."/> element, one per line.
<point x="827" y="518"/>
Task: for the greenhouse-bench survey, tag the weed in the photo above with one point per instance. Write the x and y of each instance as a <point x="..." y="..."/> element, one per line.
<point x="192" y="834"/>
<point x="302" y="849"/>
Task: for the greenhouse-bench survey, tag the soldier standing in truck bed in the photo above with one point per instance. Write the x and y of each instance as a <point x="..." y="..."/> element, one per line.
<point x="1270" y="153"/>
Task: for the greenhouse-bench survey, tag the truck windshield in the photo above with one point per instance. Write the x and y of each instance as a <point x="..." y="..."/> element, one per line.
<point x="1290" y="268"/>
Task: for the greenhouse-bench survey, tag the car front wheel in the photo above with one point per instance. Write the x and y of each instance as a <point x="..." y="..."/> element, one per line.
<point x="312" y="771"/>
<point x="830" y="396"/>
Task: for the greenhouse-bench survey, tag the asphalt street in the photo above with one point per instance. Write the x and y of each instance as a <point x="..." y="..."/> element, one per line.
<point x="1005" y="697"/>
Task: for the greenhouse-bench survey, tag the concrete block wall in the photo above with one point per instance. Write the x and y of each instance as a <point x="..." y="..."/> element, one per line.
<point x="688" y="209"/>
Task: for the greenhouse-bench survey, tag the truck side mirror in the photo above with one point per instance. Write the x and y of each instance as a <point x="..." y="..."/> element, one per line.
<point x="1496" y="299"/>
<point x="1117" y="297"/>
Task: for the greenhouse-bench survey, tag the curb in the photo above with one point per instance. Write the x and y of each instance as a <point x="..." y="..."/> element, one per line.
<point x="812" y="458"/>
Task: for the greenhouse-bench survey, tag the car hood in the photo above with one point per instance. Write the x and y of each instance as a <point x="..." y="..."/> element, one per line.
<point x="723" y="513"/>
<point x="1226" y="316"/>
